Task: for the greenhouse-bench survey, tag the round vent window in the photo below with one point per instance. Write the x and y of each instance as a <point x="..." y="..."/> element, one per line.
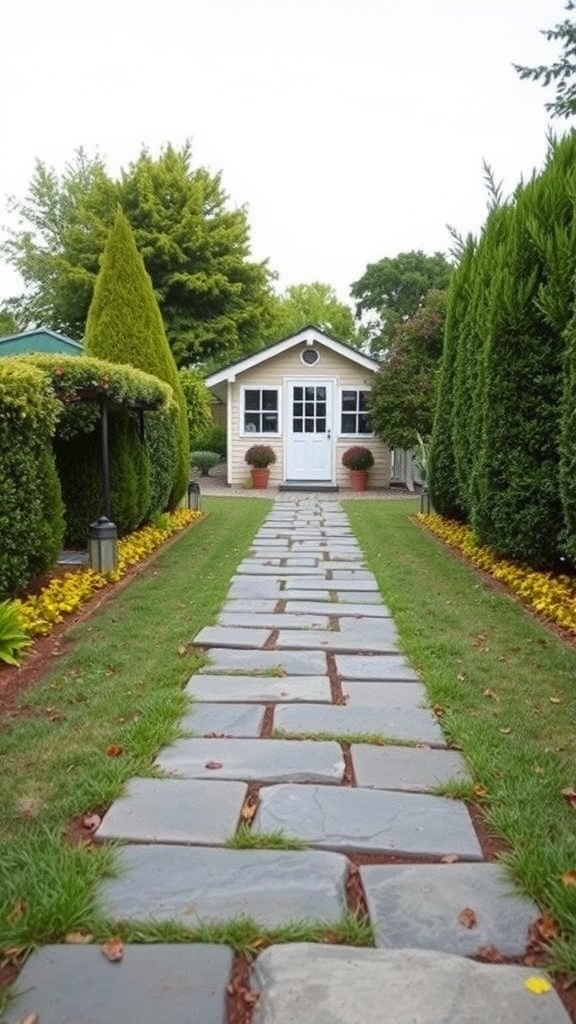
<point x="310" y="356"/>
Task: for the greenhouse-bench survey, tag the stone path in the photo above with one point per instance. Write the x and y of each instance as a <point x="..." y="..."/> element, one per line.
<point x="308" y="723"/>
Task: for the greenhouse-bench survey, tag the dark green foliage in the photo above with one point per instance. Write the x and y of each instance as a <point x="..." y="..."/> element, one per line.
<point x="161" y="433"/>
<point x="31" y="505"/>
<point x="129" y="477"/>
<point x="213" y="439"/>
<point x="125" y="326"/>
<point x="198" y="404"/>
<point x="204" y="461"/>
<point x="403" y="392"/>
<point x="316" y="303"/>
<point x="562" y="73"/>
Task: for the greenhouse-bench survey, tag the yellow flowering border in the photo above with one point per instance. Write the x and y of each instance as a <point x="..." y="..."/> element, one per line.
<point x="64" y="594"/>
<point x="552" y="596"/>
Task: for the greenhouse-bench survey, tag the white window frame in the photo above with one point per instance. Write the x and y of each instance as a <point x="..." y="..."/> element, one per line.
<point x="260" y="387"/>
<point x="342" y="389"/>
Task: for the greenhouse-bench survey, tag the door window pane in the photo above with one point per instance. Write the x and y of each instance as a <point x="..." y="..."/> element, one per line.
<point x="298" y="394"/>
<point x="321" y="394"/>
<point x="321" y="426"/>
<point x="297" y="424"/>
<point x="309" y="408"/>
<point x="309" y="426"/>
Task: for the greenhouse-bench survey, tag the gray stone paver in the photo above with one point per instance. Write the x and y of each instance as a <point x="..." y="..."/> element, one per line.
<point x="290" y="663"/>
<point x="354" y="635"/>
<point x="172" y="984"/>
<point x="223" y="719"/>
<point x="412" y="724"/>
<point x="337" y="608"/>
<point x="278" y="620"/>
<point x="317" y="583"/>
<point x="383" y="695"/>
<point x="174" y="811"/>
<point x="280" y="572"/>
<point x="376" y="986"/>
<point x="406" y="768"/>
<point x="193" y="885"/>
<point x="258" y="605"/>
<point x="269" y="689"/>
<point x="368" y="820"/>
<point x="259" y="760"/>
<point x="253" y="587"/>
<point x="231" y="636"/>
<point x="416" y="906"/>
<point x="375" y="667"/>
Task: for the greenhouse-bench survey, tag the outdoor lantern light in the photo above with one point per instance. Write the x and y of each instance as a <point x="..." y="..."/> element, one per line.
<point x="194" y="500"/>
<point x="103" y="546"/>
<point x="425" y="500"/>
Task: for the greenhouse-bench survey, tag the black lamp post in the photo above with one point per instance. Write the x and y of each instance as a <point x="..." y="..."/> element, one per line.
<point x="194" y="497"/>
<point x="103" y="535"/>
<point x="425" y="499"/>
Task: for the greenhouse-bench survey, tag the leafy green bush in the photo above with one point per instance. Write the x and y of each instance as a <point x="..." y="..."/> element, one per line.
<point x="212" y="439"/>
<point x="204" y="461"/>
<point x="13" y="639"/>
<point x="160" y="431"/>
<point x="198" y="405"/>
<point x="31" y="524"/>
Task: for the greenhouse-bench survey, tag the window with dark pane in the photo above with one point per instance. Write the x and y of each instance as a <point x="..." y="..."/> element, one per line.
<point x="354" y="415"/>
<point x="260" y="411"/>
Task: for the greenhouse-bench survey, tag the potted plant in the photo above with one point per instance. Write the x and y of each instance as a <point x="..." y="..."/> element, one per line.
<point x="259" y="457"/>
<point x="358" y="460"/>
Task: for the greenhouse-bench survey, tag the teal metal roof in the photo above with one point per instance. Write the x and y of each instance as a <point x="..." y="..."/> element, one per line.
<point x="41" y="339"/>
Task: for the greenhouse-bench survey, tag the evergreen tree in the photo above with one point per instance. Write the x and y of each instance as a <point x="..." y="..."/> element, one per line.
<point x="125" y="326"/>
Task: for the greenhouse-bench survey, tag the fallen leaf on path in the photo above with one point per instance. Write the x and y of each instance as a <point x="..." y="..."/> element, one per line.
<point x="449" y="858"/>
<point x="32" y="1018"/>
<point x="490" y="955"/>
<point x="182" y="650"/>
<point x="91" y="821"/>
<point x="506" y="732"/>
<point x="114" y="750"/>
<point x="11" y="955"/>
<point x="480" y="791"/>
<point x="537" y="985"/>
<point x="213" y="764"/>
<point x="462" y="676"/>
<point x="555" y="700"/>
<point x="490" y="693"/>
<point x="249" y="810"/>
<point x="113" y="950"/>
<point x="546" y="928"/>
<point x="78" y="938"/>
<point x="17" y="910"/>
<point x="569" y="878"/>
<point x="467" y="918"/>
<point x="569" y="794"/>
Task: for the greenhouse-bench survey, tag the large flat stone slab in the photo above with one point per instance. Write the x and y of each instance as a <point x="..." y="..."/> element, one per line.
<point x="315" y="583"/>
<point x="340" y="597"/>
<point x="254" y="587"/>
<point x="266" y="689"/>
<point x="174" y="984"/>
<point x="383" y="695"/>
<point x="174" y="811"/>
<point x="378" y="636"/>
<point x="416" y="906"/>
<point x="338" y="608"/>
<point x="231" y="636"/>
<point x="376" y="667"/>
<point x="222" y="719"/>
<point x="193" y="885"/>
<point x="254" y="760"/>
<point x="413" y="724"/>
<point x="406" y="768"/>
<point x="369" y="820"/>
<point x="258" y="605"/>
<point x="274" y="620"/>
<point x="316" y="984"/>
<point x="254" y="568"/>
<point x="274" y="663"/>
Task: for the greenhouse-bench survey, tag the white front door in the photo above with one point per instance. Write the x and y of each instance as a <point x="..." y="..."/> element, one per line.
<point x="309" y="430"/>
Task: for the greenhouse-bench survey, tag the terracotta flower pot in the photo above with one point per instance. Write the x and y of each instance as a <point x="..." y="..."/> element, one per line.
<point x="358" y="479"/>
<point x="260" y="478"/>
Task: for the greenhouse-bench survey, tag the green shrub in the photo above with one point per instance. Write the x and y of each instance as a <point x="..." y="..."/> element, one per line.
<point x="31" y="505"/>
<point x="212" y="439"/>
<point x="204" y="461"/>
<point x="13" y="639"/>
<point x="198" y="405"/>
<point x="161" y="431"/>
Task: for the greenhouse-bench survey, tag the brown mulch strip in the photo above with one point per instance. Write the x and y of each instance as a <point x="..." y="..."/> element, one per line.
<point x="267" y="722"/>
<point x="240" y="1000"/>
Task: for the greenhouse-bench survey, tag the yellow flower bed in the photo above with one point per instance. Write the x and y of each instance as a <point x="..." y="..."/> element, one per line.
<point x="39" y="613"/>
<point x="553" y="596"/>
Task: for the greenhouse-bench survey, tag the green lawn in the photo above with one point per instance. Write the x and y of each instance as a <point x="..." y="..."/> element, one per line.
<point x="505" y="688"/>
<point x="119" y="685"/>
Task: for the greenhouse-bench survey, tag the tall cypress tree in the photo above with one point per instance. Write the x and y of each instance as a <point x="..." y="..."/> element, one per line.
<point x="125" y="326"/>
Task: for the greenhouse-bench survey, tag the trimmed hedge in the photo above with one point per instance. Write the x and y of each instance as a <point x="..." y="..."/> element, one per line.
<point x="31" y="509"/>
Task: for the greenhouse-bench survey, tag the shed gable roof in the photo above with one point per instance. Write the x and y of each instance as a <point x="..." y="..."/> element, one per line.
<point x="309" y="335"/>
<point x="39" y="332"/>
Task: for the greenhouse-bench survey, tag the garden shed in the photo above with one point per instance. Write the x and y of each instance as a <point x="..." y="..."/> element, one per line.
<point x="40" y="340"/>
<point x="307" y="397"/>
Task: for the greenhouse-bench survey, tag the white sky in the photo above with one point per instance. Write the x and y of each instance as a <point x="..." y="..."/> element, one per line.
<point x="351" y="129"/>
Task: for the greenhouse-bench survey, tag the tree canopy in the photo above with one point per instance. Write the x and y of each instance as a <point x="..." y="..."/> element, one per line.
<point x="215" y="301"/>
<point x="315" y="303"/>
<point x="562" y="72"/>
<point x="404" y="390"/>
<point x="392" y="289"/>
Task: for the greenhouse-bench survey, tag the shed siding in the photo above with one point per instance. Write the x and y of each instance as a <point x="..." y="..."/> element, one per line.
<point x="272" y="373"/>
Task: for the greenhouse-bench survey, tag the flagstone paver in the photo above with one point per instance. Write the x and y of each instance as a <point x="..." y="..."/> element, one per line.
<point x="260" y="760"/>
<point x="174" y="811"/>
<point x="221" y="688"/>
<point x="201" y="884"/>
<point x="417" y="906"/>
<point x="368" y="820"/>
<point x="410" y="768"/>
<point x="302" y="618"/>
<point x="306" y="984"/>
<point x="413" y="724"/>
<point x="172" y="984"/>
